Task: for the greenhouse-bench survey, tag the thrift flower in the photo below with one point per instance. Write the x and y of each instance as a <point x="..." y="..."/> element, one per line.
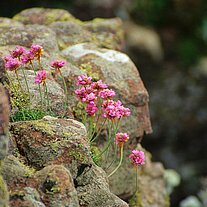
<point x="57" y="64"/>
<point x="17" y="52"/>
<point x="114" y="109"/>
<point x="27" y="57"/>
<point x="99" y="85"/>
<point x="84" y="80"/>
<point x="89" y="97"/>
<point x="121" y="138"/>
<point x="41" y="77"/>
<point x="11" y="63"/>
<point x="106" y="93"/>
<point x="91" y="108"/>
<point x="36" y="50"/>
<point x="137" y="157"/>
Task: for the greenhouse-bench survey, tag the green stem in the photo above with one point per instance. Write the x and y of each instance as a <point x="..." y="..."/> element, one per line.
<point x="39" y="88"/>
<point x="66" y="94"/>
<point x="114" y="158"/>
<point x="98" y="132"/>
<point x="26" y="82"/>
<point x="121" y="159"/>
<point x="108" y="144"/>
<point x="11" y="82"/>
<point x="46" y="91"/>
<point x="136" y="180"/>
<point x="17" y="76"/>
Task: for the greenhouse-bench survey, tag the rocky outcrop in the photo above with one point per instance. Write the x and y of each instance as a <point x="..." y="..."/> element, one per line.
<point x="49" y="161"/>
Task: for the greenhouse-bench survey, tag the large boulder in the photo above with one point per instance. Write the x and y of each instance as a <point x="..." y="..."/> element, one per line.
<point x="43" y="147"/>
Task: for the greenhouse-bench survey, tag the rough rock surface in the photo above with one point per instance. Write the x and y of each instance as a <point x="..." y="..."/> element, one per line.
<point x="42" y="150"/>
<point x="45" y="152"/>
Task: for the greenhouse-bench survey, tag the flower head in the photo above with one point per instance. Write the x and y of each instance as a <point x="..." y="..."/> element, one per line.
<point x="137" y="157"/>
<point x="121" y="138"/>
<point x="11" y="63"/>
<point x="57" y="64"/>
<point x="91" y="108"/>
<point x="27" y="57"/>
<point x="36" y="50"/>
<point x="106" y="93"/>
<point x="84" y="80"/>
<point x="17" y="52"/>
<point x="99" y="85"/>
<point x="114" y="109"/>
<point x="41" y="77"/>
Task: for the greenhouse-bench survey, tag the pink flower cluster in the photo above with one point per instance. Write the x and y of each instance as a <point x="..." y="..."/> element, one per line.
<point x="121" y="138"/>
<point x="20" y="56"/>
<point x="57" y="64"/>
<point x="90" y="92"/>
<point x="114" y="109"/>
<point x="137" y="157"/>
<point x="41" y="77"/>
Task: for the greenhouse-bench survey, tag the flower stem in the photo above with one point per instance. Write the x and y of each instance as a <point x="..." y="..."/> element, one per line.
<point x="120" y="162"/>
<point x="39" y="88"/>
<point x="66" y="93"/>
<point x="17" y="76"/>
<point x="136" y="180"/>
<point x="46" y="91"/>
<point x="26" y="82"/>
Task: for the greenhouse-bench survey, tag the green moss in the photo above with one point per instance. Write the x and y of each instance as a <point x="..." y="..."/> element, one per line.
<point x="87" y="68"/>
<point x="78" y="155"/>
<point x="3" y="193"/>
<point x="43" y="127"/>
<point x="55" y="146"/>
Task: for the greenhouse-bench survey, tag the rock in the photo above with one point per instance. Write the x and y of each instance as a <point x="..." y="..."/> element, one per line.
<point x="56" y="186"/>
<point x="49" y="143"/>
<point x="4" y="195"/>
<point x="70" y="33"/>
<point x="143" y="39"/>
<point x="114" y="68"/>
<point x="25" y="197"/>
<point x="98" y="193"/>
<point x="7" y="22"/>
<point x="29" y="34"/>
<point x="106" y="33"/>
<point x="43" y="16"/>
<point x="4" y="122"/>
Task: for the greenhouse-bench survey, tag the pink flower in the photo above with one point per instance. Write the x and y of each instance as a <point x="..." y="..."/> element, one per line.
<point x="57" y="64"/>
<point x="121" y="138"/>
<point x="99" y="85"/>
<point x="12" y="63"/>
<point x="36" y="50"/>
<point x="106" y="93"/>
<point x="89" y="97"/>
<point x="91" y="108"/>
<point x="137" y="157"/>
<point x="84" y="80"/>
<point x="17" y="52"/>
<point x="41" y="77"/>
<point x="81" y="92"/>
<point x="114" y="109"/>
<point x="27" y="57"/>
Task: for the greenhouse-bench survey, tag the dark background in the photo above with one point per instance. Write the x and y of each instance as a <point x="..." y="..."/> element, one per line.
<point x="177" y="84"/>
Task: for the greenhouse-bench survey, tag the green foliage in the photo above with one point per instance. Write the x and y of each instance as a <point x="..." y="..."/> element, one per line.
<point x="150" y="11"/>
<point x="26" y="114"/>
<point x="188" y="51"/>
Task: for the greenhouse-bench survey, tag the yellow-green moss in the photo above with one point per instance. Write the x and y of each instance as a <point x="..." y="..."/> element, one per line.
<point x="78" y="155"/>
<point x="43" y="127"/>
<point x="4" y="197"/>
